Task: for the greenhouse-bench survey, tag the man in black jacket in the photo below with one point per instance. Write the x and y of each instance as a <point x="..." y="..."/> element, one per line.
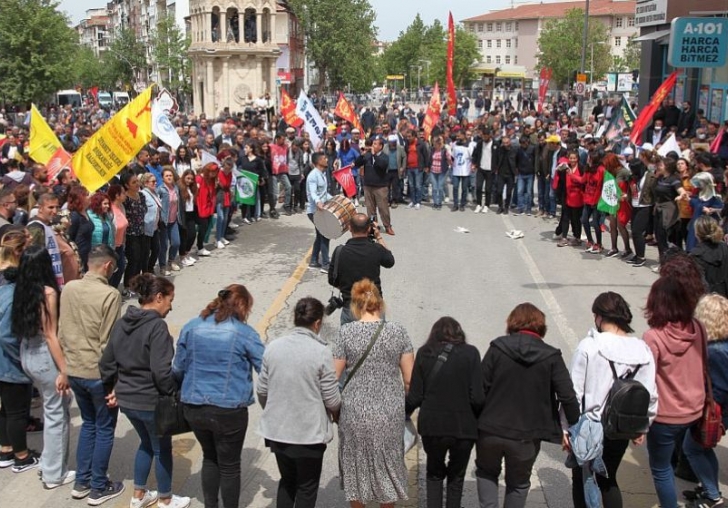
<point x="507" y="171"/>
<point x="374" y="166"/>
<point x="484" y="159"/>
<point x="358" y="259"/>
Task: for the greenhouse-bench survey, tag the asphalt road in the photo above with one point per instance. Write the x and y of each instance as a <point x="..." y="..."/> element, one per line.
<point x="476" y="277"/>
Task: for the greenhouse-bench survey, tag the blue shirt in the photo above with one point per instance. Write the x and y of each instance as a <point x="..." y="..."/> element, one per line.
<point x="317" y="190"/>
<point x="215" y="362"/>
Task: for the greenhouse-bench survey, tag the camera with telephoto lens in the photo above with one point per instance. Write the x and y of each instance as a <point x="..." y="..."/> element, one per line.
<point x="335" y="302"/>
<point x="372" y="235"/>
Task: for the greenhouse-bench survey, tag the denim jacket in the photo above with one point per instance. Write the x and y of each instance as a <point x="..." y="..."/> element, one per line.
<point x="163" y="193"/>
<point x="11" y="371"/>
<point x="214" y="362"/>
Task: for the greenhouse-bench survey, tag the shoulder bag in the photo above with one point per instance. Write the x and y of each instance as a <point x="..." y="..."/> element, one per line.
<point x="169" y="418"/>
<point x="364" y="356"/>
<point x="709" y="429"/>
<point x="441" y="359"/>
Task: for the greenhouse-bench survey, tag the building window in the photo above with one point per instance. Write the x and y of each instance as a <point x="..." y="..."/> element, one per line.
<point x="508" y="59"/>
<point x="498" y="26"/>
<point x="490" y="43"/>
<point x="515" y="60"/>
<point x="618" y="22"/>
<point x="490" y="27"/>
<point x="497" y="59"/>
<point x="516" y="26"/>
<point x="515" y="43"/>
<point x="497" y="43"/>
<point x="509" y="26"/>
<point x="480" y="27"/>
<point x="630" y="21"/>
<point x="508" y="43"/>
<point x="480" y="44"/>
<point x="471" y="27"/>
<point x="488" y="59"/>
<point x="617" y="41"/>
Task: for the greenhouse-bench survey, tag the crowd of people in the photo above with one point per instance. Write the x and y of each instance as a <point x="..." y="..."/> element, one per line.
<point x="68" y="258"/>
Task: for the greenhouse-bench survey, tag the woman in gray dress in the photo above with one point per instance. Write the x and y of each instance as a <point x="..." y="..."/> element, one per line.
<point x="371" y="425"/>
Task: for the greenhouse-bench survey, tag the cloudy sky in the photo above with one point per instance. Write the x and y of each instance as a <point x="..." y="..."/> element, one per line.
<point x="392" y="16"/>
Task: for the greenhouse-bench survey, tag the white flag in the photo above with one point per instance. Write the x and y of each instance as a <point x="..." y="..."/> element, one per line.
<point x="163" y="128"/>
<point x="207" y="158"/>
<point x="312" y="121"/>
<point x="669" y="145"/>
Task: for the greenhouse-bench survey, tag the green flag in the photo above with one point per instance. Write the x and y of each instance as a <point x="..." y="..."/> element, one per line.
<point x="611" y="194"/>
<point x="246" y="186"/>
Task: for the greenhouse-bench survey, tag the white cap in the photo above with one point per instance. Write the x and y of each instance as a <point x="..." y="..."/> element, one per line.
<point x="393" y="138"/>
<point x="647" y="146"/>
<point x="628" y="151"/>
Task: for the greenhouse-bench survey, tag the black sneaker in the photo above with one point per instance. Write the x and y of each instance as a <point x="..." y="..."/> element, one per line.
<point x="612" y="253"/>
<point x="112" y="490"/>
<point x="626" y="254"/>
<point x="30" y="462"/>
<point x="694" y="494"/>
<point x="80" y="491"/>
<point x="637" y="262"/>
<point x="705" y="503"/>
<point x="7" y="459"/>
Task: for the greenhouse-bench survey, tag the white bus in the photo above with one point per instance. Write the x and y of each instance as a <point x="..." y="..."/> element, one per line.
<point x="66" y="97"/>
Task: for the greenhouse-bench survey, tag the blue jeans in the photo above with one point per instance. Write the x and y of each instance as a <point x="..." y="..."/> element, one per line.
<point x="525" y="193"/>
<point x="320" y="246"/>
<point x="457" y="182"/>
<point x="282" y="179"/>
<point x="552" y="199"/>
<point x="221" y="221"/>
<point x="151" y="447"/>
<point x="414" y="183"/>
<point x="168" y="239"/>
<point x="704" y="463"/>
<point x="543" y="193"/>
<point x="115" y="279"/>
<point x="96" y="439"/>
<point x="660" y="445"/>
<point x="438" y="188"/>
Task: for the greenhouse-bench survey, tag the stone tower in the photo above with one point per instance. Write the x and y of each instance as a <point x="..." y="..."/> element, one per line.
<point x="234" y="50"/>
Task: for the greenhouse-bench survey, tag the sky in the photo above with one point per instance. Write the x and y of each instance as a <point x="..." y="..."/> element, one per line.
<point x="393" y="16"/>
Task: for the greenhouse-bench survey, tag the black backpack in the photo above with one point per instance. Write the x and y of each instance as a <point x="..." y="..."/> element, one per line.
<point x="625" y="412"/>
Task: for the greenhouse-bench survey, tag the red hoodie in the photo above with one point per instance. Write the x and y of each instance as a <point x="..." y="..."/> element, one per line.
<point x="574" y="190"/>
<point x="592" y="182"/>
<point x="678" y="371"/>
<point x="205" y="197"/>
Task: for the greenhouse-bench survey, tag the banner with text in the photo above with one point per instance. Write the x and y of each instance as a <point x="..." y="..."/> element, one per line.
<point x="44" y="146"/>
<point x="312" y="121"/>
<point x="544" y="80"/>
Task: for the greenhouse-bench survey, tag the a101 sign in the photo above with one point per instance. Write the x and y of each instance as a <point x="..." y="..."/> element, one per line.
<point x="698" y="42"/>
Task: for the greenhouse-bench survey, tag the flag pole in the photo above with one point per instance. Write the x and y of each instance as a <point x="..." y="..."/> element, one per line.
<point x="585" y="41"/>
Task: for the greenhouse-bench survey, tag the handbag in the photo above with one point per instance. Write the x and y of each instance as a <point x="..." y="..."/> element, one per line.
<point x="709" y="429"/>
<point x="169" y="418"/>
<point x="364" y="356"/>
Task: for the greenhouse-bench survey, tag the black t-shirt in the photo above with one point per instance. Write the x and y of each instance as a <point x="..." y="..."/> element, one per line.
<point x="360" y="259"/>
<point x="666" y="188"/>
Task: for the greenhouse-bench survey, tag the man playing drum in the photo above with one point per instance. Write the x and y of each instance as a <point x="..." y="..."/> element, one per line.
<point x="317" y="191"/>
<point x="376" y="187"/>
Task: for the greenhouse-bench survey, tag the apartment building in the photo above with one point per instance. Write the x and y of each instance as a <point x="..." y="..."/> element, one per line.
<point x="508" y="38"/>
<point x="93" y="30"/>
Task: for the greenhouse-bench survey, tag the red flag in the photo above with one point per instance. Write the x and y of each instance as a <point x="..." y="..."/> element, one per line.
<point x="95" y="93"/>
<point x="346" y="180"/>
<point x="645" y="116"/>
<point x="288" y="109"/>
<point x="433" y="112"/>
<point x="60" y="160"/>
<point x="451" y="98"/>
<point x="543" y="86"/>
<point x="715" y="145"/>
<point x="345" y="111"/>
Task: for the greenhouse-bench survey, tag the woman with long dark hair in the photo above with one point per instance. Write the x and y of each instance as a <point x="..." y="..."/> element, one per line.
<point x="170" y="220"/>
<point x="573" y="200"/>
<point x="100" y="214"/>
<point x="148" y="184"/>
<point x="188" y="194"/>
<point x="182" y="160"/>
<point x="450" y="400"/>
<point x="217" y="353"/>
<point x="81" y="229"/>
<point x="267" y="189"/>
<point x="136" y="369"/>
<point x="35" y="324"/>
<point x="137" y="243"/>
<point x="205" y="202"/>
<point x="253" y="163"/>
<point x="667" y="191"/>
<point x="117" y="196"/>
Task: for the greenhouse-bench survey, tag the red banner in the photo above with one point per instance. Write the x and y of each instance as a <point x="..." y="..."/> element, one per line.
<point x="346" y="180"/>
<point x="288" y="110"/>
<point x="715" y="145"/>
<point x="433" y="112"/>
<point x="452" y="101"/>
<point x="543" y="86"/>
<point x="345" y="111"/>
<point x="645" y="116"/>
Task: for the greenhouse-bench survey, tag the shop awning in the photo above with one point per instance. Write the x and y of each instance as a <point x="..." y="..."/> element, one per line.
<point x="511" y="73"/>
<point x="482" y="68"/>
<point x="653" y="36"/>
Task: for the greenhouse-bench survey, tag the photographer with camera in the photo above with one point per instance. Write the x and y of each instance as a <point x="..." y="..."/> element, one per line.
<point x="360" y="258"/>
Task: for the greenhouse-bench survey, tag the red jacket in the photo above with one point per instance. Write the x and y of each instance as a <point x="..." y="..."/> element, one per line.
<point x="224" y="181"/>
<point x="592" y="181"/>
<point x="574" y="189"/>
<point x="205" y="199"/>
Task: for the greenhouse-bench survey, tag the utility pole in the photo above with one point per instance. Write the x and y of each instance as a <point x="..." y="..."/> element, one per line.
<point x="583" y="53"/>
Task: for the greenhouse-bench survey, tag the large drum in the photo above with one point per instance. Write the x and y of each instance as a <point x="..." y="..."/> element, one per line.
<point x="333" y="220"/>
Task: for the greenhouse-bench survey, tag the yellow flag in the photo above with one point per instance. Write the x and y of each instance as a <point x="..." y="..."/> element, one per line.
<point x="115" y="144"/>
<point x="43" y="141"/>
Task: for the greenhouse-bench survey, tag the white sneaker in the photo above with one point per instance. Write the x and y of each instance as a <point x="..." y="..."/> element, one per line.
<point x="478" y="209"/>
<point x="187" y="262"/>
<point x="175" y="502"/>
<point x="232" y="225"/>
<point x="247" y="221"/>
<point x="356" y="203"/>
<point x="150" y="497"/>
<point x="69" y="478"/>
<point x="174" y="266"/>
<point x="485" y="209"/>
<point x="165" y="272"/>
<point x="203" y="252"/>
<point x="225" y="241"/>
<point x="220" y="245"/>
<point x="417" y="206"/>
<point x="446" y="200"/>
<point x="411" y="205"/>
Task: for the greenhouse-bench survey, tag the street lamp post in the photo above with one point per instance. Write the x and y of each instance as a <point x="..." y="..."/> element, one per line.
<point x="427" y="69"/>
<point x="583" y="53"/>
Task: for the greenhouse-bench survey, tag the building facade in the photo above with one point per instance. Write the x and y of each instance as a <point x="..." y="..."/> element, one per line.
<point x="508" y="38"/>
<point x="705" y="88"/>
<point x="93" y="30"/>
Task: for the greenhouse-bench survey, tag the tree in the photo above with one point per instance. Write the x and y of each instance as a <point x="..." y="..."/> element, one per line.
<point x="89" y="70"/>
<point x="630" y="59"/>
<point x="125" y="58"/>
<point x="169" y="51"/>
<point x="340" y="36"/>
<point x="419" y="44"/>
<point x="36" y="50"/>
<point x="560" y="44"/>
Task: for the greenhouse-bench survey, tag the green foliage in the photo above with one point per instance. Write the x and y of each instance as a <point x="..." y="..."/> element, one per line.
<point x="36" y="50"/>
<point x="169" y="51"/>
<point x="420" y="44"/>
<point x="124" y="58"/>
<point x="561" y="41"/>
<point x="630" y="60"/>
<point x="339" y="40"/>
<point x="89" y="70"/>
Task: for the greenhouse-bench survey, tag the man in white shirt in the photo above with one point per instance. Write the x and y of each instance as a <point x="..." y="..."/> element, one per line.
<point x="461" y="170"/>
